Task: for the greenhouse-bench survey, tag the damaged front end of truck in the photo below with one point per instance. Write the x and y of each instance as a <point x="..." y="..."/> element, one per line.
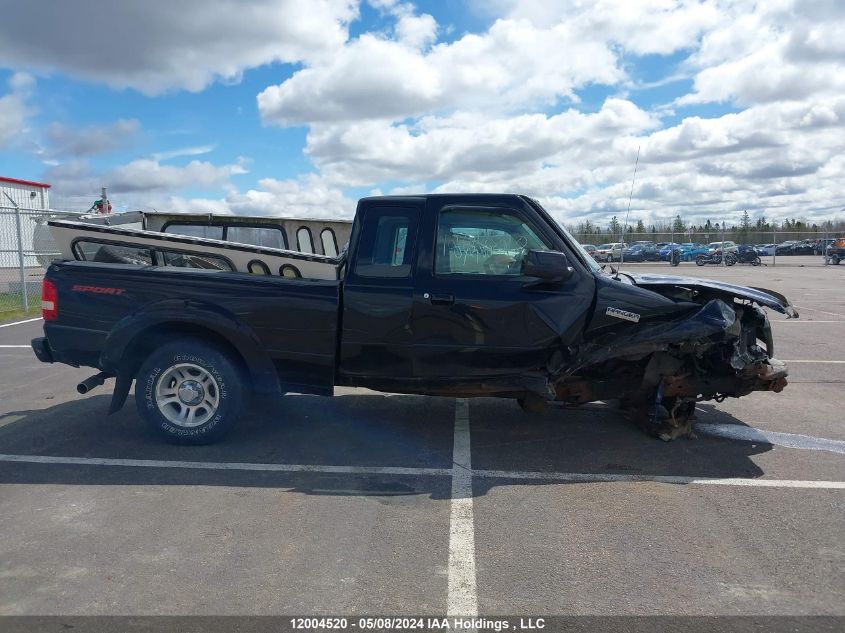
<point x="660" y="352"/>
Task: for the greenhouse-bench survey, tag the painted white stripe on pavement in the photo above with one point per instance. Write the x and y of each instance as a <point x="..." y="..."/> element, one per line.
<point x="19" y="322"/>
<point x="462" y="597"/>
<point x="828" y="362"/>
<point x="16" y="346"/>
<point x="788" y="440"/>
<point x="804" y="321"/>
<point x="664" y="479"/>
<point x="294" y="468"/>
<point x="422" y="472"/>
<point x="836" y="314"/>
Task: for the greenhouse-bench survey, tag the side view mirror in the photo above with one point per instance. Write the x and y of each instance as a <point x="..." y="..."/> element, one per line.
<point x="548" y="266"/>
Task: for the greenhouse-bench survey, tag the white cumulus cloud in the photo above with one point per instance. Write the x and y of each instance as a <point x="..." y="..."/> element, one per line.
<point x="158" y="46"/>
<point x="15" y="108"/>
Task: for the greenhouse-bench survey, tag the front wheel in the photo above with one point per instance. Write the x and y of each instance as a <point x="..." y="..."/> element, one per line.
<point x="190" y="391"/>
<point x="756" y="261"/>
<point x="700" y="260"/>
<point x="730" y="260"/>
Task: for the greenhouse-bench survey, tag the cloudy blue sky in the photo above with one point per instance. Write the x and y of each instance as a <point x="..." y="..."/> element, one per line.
<point x="298" y="107"/>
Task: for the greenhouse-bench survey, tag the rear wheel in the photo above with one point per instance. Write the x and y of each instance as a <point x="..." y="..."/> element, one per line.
<point x="756" y="261"/>
<point x="190" y="391"/>
<point x="700" y="260"/>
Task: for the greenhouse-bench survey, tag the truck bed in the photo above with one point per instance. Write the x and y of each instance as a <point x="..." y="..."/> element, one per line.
<point x="284" y="329"/>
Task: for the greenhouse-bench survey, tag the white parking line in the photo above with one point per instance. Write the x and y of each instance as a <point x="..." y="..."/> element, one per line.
<point x="426" y="472"/>
<point x="462" y="598"/>
<point x="828" y="362"/>
<point x="836" y="314"/>
<point x="19" y="322"/>
<point x="664" y="479"/>
<point x="16" y="346"/>
<point x="804" y="321"/>
<point x="160" y="463"/>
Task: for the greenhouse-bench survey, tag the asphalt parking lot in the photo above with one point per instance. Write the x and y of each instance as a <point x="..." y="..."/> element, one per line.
<point x="370" y="503"/>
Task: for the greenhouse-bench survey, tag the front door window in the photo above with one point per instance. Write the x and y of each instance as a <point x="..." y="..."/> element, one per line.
<point x="483" y="242"/>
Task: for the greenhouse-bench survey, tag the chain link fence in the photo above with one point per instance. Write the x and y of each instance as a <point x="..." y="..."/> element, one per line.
<point x="26" y="249"/>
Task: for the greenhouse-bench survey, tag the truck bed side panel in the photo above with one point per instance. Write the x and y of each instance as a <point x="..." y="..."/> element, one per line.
<point x="283" y="324"/>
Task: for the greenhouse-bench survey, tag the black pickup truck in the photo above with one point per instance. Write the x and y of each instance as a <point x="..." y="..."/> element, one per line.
<point x="459" y="295"/>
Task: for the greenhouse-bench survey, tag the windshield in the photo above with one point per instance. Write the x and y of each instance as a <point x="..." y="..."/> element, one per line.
<point x="587" y="259"/>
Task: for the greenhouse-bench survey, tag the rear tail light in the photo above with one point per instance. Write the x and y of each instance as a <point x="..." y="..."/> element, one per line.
<point x="49" y="301"/>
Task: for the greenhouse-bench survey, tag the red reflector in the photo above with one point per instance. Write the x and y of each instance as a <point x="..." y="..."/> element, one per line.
<point x="49" y="301"/>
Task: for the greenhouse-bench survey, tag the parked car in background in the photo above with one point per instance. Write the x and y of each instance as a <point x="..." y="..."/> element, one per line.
<point x="590" y="248"/>
<point x="804" y="247"/>
<point x="643" y="243"/>
<point x="765" y="249"/>
<point x="641" y="253"/>
<point x="691" y="250"/>
<point x="784" y="247"/>
<point x="666" y="249"/>
<point x="610" y="252"/>
<point x="836" y="251"/>
<point x="821" y="246"/>
<point x="727" y="246"/>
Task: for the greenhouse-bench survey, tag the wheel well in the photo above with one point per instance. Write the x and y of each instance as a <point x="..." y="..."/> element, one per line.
<point x="146" y="341"/>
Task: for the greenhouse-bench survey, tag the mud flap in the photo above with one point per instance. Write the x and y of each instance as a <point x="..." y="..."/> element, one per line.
<point x="121" y="390"/>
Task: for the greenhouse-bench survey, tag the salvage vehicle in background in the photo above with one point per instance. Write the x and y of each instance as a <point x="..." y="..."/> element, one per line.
<point x="784" y="248"/>
<point x="764" y="249"/>
<point x="666" y="249"/>
<point x="447" y="295"/>
<point x="746" y="254"/>
<point x="611" y="252"/>
<point x="590" y="248"/>
<point x="687" y="251"/>
<point x="641" y="253"/>
<point x="306" y="235"/>
<point x="835" y="253"/>
<point x="715" y="257"/>
<point x="728" y="247"/>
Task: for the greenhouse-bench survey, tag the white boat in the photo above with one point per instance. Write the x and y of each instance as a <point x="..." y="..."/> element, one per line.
<point x="256" y="245"/>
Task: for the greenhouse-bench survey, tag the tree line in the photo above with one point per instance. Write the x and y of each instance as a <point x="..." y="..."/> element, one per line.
<point x="742" y="231"/>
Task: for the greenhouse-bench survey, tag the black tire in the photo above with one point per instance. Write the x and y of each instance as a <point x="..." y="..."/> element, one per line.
<point x="700" y="260"/>
<point x="209" y="370"/>
<point x="730" y="260"/>
<point x="756" y="261"/>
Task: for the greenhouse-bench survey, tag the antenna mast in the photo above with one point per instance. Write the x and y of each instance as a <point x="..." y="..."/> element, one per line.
<point x="627" y="213"/>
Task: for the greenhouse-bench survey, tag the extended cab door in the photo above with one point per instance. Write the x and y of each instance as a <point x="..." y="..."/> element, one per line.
<point x="378" y="293"/>
<point x="475" y="314"/>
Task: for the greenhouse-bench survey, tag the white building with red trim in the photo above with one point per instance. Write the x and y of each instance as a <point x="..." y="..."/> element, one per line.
<point x="32" y="198"/>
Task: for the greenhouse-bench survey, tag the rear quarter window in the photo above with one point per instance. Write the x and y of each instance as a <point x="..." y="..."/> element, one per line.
<point x="113" y="253"/>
